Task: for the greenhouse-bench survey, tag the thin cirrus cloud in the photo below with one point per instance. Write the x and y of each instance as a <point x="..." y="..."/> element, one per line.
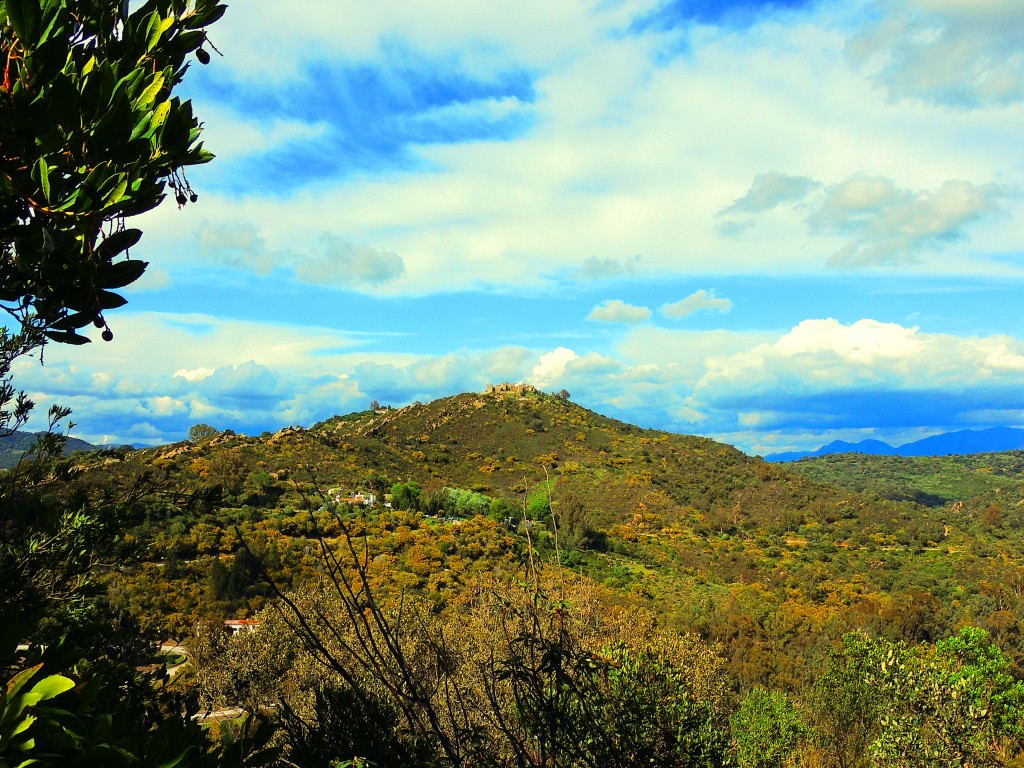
<point x="484" y="159"/>
<point x="862" y="379"/>
<point x="349" y="117"/>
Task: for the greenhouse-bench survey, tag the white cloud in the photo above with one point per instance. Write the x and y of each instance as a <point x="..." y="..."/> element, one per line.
<point x="235" y="244"/>
<point x="624" y="149"/>
<point x="248" y="385"/>
<point x="330" y="260"/>
<point x="821" y="378"/>
<point x="551" y="367"/>
<point x="877" y="222"/>
<point x="268" y="44"/>
<point x="341" y="263"/>
<point x="238" y="136"/>
<point x="821" y="356"/>
<point x="629" y="155"/>
<point x="697" y="301"/>
<point x="616" y="311"/>
<point x="865" y="342"/>
<point x="595" y="268"/>
<point x="165" y="406"/>
<point x="887" y="225"/>
<point x="963" y="53"/>
<point x="191" y="346"/>
<point x="1001" y="358"/>
<point x="192" y="376"/>
<point x="769" y="190"/>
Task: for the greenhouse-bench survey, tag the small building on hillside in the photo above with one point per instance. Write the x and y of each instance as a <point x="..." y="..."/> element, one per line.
<point x="237" y="626"/>
<point x="338" y="496"/>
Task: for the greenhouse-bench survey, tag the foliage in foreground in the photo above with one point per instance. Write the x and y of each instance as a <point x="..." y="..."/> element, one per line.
<point x="514" y="679"/>
<point x="539" y="673"/>
<point x="91" y="133"/>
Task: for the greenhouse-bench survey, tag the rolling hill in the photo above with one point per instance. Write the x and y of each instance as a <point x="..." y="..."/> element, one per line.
<point x="16" y="444"/>
<point x="773" y="561"/>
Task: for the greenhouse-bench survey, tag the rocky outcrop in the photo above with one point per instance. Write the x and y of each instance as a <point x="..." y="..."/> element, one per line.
<point x="509" y="389"/>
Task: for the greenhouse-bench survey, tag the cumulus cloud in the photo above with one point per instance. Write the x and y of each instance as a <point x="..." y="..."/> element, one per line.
<point x="1001" y="357"/>
<point x="819" y="380"/>
<point x="196" y="359"/>
<point x="769" y="190"/>
<point x="960" y="53"/>
<point x="430" y="377"/>
<point x="827" y="371"/>
<point x="887" y="225"/>
<point x="386" y="382"/>
<point x="341" y="263"/>
<point x="597" y="268"/>
<point x="817" y="356"/>
<point x="599" y="170"/>
<point x="248" y="385"/>
<point x="157" y="407"/>
<point x="616" y="311"/>
<point x="697" y="301"/>
<point x="838" y="381"/>
<point x="236" y="244"/>
<point x="192" y="376"/>
<point x="881" y="222"/>
<point x="551" y="367"/>
<point x="329" y="261"/>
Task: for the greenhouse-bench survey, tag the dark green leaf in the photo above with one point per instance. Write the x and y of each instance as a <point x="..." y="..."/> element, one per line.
<point x="118" y="242"/>
<point x="66" y="337"/>
<point x="215" y="14"/>
<point x="24" y="16"/>
<point x="64" y="104"/>
<point x="109" y="300"/>
<point x="122" y="273"/>
<point x="73" y="321"/>
<point x="44" y="177"/>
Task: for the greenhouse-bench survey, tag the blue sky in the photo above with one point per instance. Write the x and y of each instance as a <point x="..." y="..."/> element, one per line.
<point x="773" y="223"/>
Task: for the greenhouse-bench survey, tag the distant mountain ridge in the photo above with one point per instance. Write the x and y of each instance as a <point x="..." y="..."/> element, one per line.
<point x="14" y="446"/>
<point x="960" y="443"/>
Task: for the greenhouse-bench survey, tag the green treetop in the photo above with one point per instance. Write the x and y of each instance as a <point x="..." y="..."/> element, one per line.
<point x="90" y="135"/>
